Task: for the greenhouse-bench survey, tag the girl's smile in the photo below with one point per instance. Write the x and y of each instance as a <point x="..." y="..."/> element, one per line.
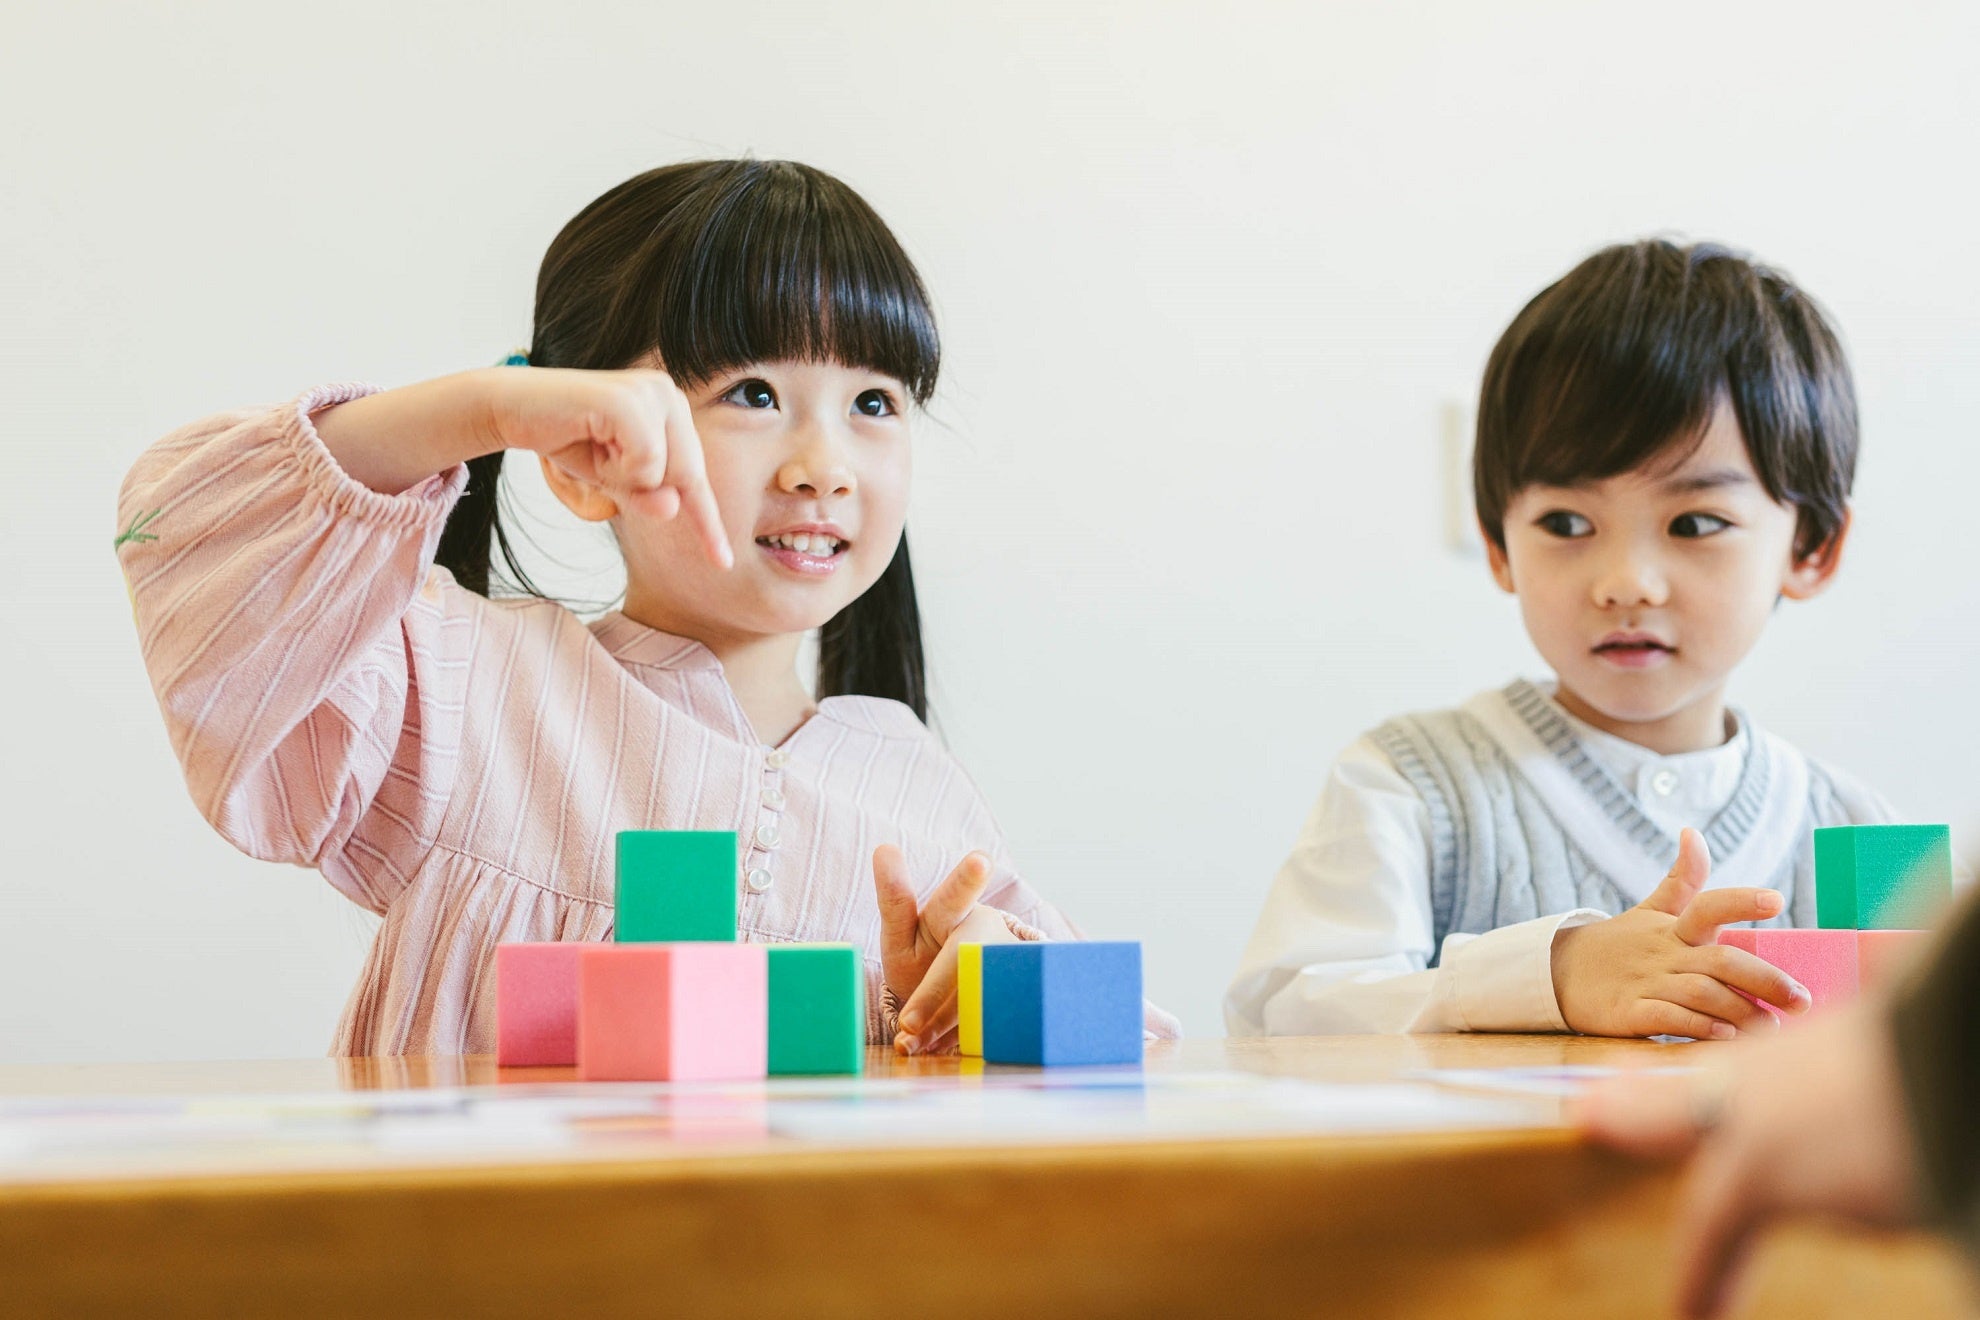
<point x="807" y="549"/>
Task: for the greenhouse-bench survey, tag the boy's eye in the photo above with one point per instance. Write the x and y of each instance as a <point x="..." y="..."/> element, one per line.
<point x="1688" y="526"/>
<point x="751" y="393"/>
<point x="875" y="403"/>
<point x="1563" y="524"/>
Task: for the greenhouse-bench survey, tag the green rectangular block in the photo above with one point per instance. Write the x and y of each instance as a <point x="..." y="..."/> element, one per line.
<point x="675" y="885"/>
<point x="1881" y="877"/>
<point x="817" y="1009"/>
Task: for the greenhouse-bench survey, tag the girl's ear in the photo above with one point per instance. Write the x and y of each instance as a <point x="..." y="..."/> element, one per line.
<point x="1810" y="574"/>
<point x="587" y="501"/>
<point x="1495" y="556"/>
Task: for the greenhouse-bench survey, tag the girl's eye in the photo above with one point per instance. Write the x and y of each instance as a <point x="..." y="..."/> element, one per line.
<point x="1567" y="526"/>
<point x="751" y="393"/>
<point x="1690" y="526"/>
<point x="875" y="403"/>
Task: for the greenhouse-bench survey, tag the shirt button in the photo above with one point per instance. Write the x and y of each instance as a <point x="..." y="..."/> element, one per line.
<point x="767" y="836"/>
<point x="758" y="880"/>
<point x="1665" y="782"/>
<point x="773" y="799"/>
<point x="777" y="758"/>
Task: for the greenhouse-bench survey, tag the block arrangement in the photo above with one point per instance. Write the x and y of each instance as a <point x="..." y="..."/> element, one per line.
<point x="1048" y="1004"/>
<point x="1873" y="884"/>
<point x="675" y="996"/>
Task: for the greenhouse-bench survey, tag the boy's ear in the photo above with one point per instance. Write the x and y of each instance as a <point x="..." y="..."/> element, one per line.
<point x="579" y="496"/>
<point x="1495" y="556"/>
<point x="1810" y="574"/>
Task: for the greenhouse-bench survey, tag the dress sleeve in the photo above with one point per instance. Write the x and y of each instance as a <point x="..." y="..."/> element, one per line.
<point x="295" y="632"/>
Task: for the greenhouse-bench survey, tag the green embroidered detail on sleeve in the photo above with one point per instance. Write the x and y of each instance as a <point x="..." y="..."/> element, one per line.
<point x="135" y="533"/>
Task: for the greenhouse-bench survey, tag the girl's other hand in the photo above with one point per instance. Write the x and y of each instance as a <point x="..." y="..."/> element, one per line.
<point x="918" y="942"/>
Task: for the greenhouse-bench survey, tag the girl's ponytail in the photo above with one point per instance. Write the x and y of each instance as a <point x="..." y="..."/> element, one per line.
<point x="474" y="532"/>
<point x="872" y="647"/>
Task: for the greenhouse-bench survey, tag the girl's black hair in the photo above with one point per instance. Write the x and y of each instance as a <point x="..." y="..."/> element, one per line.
<point x="717" y="264"/>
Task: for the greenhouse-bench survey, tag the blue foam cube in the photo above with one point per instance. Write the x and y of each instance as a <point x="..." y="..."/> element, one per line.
<point x="1065" y="1003"/>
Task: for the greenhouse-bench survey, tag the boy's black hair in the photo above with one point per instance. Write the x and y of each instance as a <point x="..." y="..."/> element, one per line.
<point x="717" y="264"/>
<point x="1622" y="361"/>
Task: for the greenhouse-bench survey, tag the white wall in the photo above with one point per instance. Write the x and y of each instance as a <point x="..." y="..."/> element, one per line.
<point x="1208" y="276"/>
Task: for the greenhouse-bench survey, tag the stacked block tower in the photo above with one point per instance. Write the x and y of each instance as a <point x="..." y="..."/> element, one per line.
<point x="674" y="996"/>
<point x="1876" y="886"/>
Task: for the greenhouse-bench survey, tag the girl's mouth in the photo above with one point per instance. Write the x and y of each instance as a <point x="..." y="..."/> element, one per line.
<point x="814" y="554"/>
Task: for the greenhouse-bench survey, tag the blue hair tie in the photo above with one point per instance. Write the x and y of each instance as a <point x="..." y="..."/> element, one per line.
<point x="516" y="360"/>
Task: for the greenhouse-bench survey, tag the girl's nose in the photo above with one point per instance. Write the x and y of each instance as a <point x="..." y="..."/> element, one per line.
<point x="818" y="467"/>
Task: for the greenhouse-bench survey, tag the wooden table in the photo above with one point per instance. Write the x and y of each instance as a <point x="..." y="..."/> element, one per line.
<point x="1510" y="1223"/>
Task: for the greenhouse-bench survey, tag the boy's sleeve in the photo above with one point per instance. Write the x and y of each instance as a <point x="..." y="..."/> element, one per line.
<point x="1345" y="939"/>
<point x="273" y="596"/>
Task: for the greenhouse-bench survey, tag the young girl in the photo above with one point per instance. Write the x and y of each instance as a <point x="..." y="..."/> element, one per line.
<point x="723" y="358"/>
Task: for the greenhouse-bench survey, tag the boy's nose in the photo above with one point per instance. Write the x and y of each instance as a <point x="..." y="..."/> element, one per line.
<point x="1630" y="580"/>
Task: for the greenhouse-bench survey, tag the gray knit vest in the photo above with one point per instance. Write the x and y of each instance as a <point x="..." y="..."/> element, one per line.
<point x="1500" y="855"/>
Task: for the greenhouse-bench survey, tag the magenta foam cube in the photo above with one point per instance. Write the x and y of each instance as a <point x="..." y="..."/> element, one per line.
<point x="673" y="1012"/>
<point x="1825" y="961"/>
<point x="1882" y="954"/>
<point x="536" y="999"/>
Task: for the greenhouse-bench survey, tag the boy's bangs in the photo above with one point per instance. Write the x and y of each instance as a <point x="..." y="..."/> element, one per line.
<point x="790" y="264"/>
<point x="1616" y="409"/>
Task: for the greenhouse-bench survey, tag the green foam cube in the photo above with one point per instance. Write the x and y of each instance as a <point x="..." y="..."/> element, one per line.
<point x="676" y="885"/>
<point x="817" y="1009"/>
<point x="1881" y="877"/>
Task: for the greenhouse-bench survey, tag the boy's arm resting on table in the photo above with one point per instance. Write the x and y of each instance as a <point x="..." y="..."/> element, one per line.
<point x="271" y="591"/>
<point x="1344" y="942"/>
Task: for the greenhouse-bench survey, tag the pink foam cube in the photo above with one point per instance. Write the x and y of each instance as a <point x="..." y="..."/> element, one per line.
<point x="1825" y="961"/>
<point x="673" y="1012"/>
<point x="1882" y="954"/>
<point x="536" y="997"/>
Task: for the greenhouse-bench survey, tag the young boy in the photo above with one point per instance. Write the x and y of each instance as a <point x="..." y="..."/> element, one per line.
<point x="1666" y="442"/>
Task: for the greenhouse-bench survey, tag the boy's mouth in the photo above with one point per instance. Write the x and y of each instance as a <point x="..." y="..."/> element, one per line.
<point x="810" y="551"/>
<point x="1633" y="650"/>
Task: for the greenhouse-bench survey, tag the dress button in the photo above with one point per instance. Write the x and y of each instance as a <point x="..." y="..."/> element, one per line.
<point x="767" y="836"/>
<point x="777" y="758"/>
<point x="758" y="880"/>
<point x="773" y="799"/>
<point x="1665" y="782"/>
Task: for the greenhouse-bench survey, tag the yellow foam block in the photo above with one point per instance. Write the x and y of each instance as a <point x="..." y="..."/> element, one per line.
<point x="969" y="999"/>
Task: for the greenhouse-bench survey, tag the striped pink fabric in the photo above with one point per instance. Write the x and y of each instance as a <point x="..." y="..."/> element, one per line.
<point x="461" y="766"/>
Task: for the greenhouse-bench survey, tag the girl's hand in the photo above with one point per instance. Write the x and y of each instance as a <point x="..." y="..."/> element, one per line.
<point x="628" y="433"/>
<point x="918" y="942"/>
<point x="1812" y="1123"/>
<point x="1657" y="969"/>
